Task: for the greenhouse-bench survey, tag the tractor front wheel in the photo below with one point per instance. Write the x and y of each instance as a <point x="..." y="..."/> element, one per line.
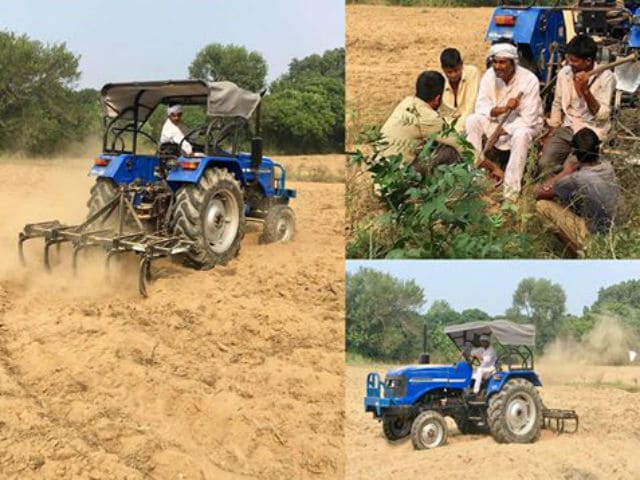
<point x="429" y="430"/>
<point x="211" y="214"/>
<point x="279" y="224"/>
<point x="396" y="428"/>
<point x="515" y="413"/>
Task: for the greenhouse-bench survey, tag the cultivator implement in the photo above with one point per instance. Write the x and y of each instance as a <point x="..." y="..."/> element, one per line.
<point x="559" y="417"/>
<point x="93" y="233"/>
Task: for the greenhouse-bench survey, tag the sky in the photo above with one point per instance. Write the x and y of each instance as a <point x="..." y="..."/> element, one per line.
<point x="489" y="284"/>
<point x="125" y="40"/>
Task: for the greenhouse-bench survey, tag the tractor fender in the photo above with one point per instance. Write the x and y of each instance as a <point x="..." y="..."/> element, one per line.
<point x="180" y="175"/>
<point x="125" y="168"/>
<point x="499" y="379"/>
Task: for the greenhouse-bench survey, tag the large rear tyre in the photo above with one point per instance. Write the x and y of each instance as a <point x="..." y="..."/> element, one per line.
<point x="279" y="225"/>
<point x="211" y="214"/>
<point x="102" y="192"/>
<point x="429" y="430"/>
<point x="515" y="413"/>
<point x="396" y="428"/>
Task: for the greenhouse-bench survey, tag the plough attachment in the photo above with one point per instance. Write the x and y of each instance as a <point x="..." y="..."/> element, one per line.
<point x="560" y="417"/>
<point x="92" y="233"/>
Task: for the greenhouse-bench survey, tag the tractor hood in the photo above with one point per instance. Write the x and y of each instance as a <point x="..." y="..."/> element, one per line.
<point x="137" y="100"/>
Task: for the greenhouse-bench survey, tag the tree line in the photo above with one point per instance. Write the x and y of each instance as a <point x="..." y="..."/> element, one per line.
<point x="385" y="319"/>
<point x="42" y="112"/>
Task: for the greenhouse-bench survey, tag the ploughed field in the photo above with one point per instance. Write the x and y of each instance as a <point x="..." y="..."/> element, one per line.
<point x="236" y="372"/>
<point x="607" y="400"/>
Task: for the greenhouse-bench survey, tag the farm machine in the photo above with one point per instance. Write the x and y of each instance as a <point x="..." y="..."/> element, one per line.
<point x="414" y="400"/>
<point x="166" y="203"/>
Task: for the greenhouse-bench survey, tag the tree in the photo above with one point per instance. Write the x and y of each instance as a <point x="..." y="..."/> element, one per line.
<point x="538" y="301"/>
<point x="39" y="110"/>
<point x="234" y="63"/>
<point x="382" y="315"/>
<point x="305" y="111"/>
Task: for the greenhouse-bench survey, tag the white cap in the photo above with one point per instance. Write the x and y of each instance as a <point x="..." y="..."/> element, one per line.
<point x="174" y="109"/>
<point x="484" y="338"/>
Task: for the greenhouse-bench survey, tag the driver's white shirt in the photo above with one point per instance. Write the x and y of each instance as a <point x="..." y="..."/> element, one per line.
<point x="172" y="133"/>
<point x="489" y="357"/>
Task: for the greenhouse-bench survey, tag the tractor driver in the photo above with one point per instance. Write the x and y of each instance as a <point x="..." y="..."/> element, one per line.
<point x="173" y="130"/>
<point x="487" y="357"/>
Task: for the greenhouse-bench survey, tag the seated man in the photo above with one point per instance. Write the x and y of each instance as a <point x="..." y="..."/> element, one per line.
<point x="500" y="88"/>
<point x="587" y="192"/>
<point x="579" y="102"/>
<point x="173" y="130"/>
<point x="415" y="119"/>
<point x="461" y="89"/>
<point x="487" y="357"/>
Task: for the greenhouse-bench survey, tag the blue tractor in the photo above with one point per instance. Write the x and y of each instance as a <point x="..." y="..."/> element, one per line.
<point x="414" y="400"/>
<point x="165" y="203"/>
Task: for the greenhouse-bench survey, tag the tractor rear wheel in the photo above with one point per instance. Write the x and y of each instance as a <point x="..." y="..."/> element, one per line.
<point x="102" y="192"/>
<point x="429" y="430"/>
<point x="211" y="214"/>
<point x="515" y="413"/>
<point x="279" y="225"/>
<point x="395" y="428"/>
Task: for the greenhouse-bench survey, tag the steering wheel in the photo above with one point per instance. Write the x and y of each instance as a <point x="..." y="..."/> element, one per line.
<point x="191" y="136"/>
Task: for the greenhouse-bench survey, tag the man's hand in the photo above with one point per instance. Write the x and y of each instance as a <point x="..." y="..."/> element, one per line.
<point x="513" y="103"/>
<point x="581" y="83"/>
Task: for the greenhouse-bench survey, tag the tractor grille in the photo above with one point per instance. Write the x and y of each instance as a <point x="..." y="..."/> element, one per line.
<point x="396" y="386"/>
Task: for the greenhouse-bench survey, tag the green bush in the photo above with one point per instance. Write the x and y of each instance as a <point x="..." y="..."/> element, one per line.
<point x="443" y="214"/>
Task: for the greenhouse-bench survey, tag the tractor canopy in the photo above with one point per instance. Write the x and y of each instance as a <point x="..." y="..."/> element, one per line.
<point x="505" y="332"/>
<point x="137" y="100"/>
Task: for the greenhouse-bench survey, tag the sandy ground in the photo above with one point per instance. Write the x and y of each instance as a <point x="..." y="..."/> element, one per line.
<point x="231" y="373"/>
<point x="387" y="47"/>
<point x="605" y="446"/>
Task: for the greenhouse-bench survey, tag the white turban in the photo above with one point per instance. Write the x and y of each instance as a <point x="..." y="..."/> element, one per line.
<point x="504" y="50"/>
<point x="174" y="109"/>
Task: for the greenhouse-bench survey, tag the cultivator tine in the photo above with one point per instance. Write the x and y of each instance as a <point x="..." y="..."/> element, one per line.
<point x="144" y="275"/>
<point x="47" y="244"/>
<point x="21" y="239"/>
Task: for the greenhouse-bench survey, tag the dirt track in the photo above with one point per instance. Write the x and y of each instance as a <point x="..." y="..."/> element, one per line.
<point x="232" y="373"/>
<point x="605" y="447"/>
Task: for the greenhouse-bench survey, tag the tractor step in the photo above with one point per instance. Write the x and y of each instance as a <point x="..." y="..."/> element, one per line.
<point x="560" y="417"/>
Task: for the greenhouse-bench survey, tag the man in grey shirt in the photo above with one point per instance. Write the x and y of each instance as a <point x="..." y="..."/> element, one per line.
<point x="587" y="192"/>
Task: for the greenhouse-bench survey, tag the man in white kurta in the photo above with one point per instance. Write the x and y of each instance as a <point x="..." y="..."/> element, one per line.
<point x="173" y="130"/>
<point x="580" y="102"/>
<point x="500" y="87"/>
<point x="487" y="357"/>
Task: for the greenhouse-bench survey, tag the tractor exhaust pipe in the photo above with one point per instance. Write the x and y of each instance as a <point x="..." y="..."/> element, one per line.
<point x="424" y="358"/>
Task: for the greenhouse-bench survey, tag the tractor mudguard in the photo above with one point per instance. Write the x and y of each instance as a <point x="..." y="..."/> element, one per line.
<point x="499" y="379"/>
<point x="125" y="168"/>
